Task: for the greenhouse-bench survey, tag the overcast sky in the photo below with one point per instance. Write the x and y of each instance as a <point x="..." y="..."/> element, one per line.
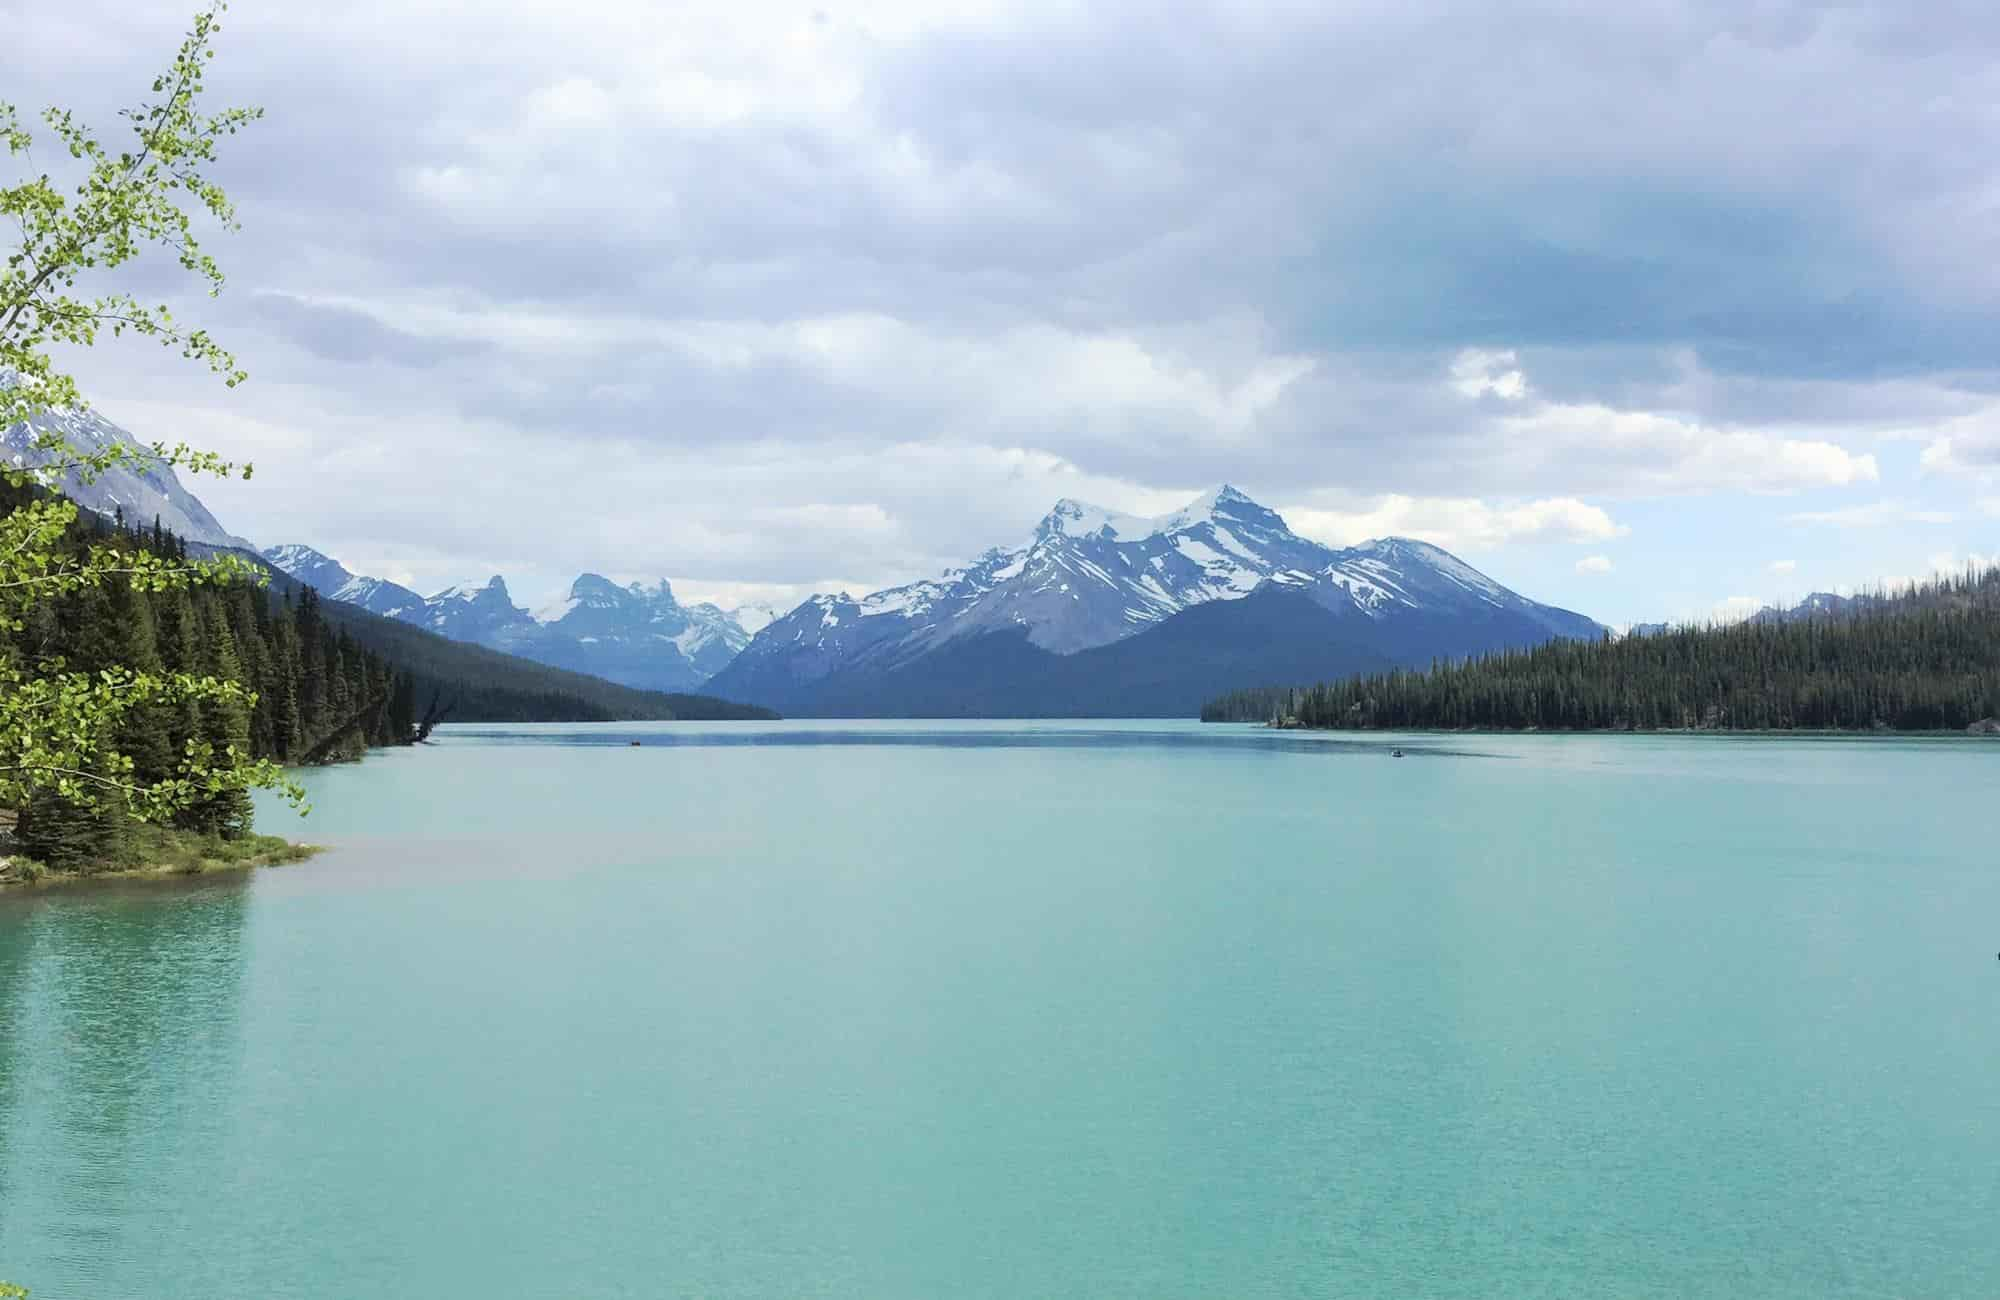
<point x="1644" y="308"/>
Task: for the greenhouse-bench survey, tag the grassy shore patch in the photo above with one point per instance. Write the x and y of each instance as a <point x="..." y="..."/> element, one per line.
<point x="161" y="851"/>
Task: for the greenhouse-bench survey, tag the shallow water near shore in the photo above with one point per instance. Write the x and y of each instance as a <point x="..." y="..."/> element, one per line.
<point x="1034" y="1009"/>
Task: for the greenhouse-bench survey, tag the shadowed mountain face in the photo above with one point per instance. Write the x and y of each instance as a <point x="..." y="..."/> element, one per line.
<point x="1167" y="671"/>
<point x="1034" y="629"/>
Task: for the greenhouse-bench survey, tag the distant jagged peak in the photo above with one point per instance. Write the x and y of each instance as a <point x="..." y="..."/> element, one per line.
<point x="1072" y="518"/>
<point x="494" y="587"/>
<point x="598" y="589"/>
<point x="595" y="591"/>
<point x="1225" y="504"/>
<point x="309" y="565"/>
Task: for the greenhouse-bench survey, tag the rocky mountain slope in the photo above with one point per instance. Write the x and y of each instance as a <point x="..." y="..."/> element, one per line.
<point x="315" y="569"/>
<point x="140" y="491"/>
<point x="1091" y="578"/>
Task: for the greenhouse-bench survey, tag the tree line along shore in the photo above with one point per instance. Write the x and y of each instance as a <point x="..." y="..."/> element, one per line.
<point x="312" y="695"/>
<point x="1922" y="659"/>
<point x="321" y="683"/>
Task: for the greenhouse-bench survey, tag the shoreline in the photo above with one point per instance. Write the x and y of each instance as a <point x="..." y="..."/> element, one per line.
<point x="1851" y="733"/>
<point x="200" y="857"/>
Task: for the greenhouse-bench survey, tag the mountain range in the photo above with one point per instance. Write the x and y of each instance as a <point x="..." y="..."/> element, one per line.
<point x="1096" y="613"/>
<point x="634" y="635"/>
<point x="1110" y="614"/>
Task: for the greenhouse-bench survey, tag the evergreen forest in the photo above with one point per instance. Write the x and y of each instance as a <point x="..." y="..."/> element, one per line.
<point x="330" y="681"/>
<point x="1922" y="659"/>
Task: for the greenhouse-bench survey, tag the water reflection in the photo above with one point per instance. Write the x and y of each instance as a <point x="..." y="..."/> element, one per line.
<point x="1239" y="738"/>
<point x="119" y="1019"/>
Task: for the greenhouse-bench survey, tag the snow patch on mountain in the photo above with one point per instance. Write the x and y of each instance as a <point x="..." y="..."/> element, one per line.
<point x="751" y="618"/>
<point x="1072" y="518"/>
<point x="1090" y="576"/>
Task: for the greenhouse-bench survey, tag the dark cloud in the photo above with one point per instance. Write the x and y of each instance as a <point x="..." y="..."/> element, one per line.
<point x="336" y="333"/>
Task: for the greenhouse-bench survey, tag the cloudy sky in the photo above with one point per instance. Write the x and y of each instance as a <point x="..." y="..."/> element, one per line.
<point x="1644" y="308"/>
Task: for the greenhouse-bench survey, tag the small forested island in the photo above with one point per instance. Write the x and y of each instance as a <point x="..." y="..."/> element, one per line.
<point x="1922" y="659"/>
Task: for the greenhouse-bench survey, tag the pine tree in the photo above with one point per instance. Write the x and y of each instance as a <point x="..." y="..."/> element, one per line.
<point x="222" y="726"/>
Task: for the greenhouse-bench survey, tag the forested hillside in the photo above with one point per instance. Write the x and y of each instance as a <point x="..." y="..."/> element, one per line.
<point x="330" y="681"/>
<point x="320" y="696"/>
<point x="1924" y="659"/>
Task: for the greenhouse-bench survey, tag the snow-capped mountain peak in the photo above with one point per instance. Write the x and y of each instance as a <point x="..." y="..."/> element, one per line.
<point x="1221" y="506"/>
<point x="303" y="562"/>
<point x="1072" y="518"/>
<point x="1091" y="576"/>
<point x="592" y="591"/>
<point x="492" y="591"/>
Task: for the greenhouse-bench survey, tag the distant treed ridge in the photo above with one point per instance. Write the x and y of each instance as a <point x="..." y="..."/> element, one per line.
<point x="1923" y="659"/>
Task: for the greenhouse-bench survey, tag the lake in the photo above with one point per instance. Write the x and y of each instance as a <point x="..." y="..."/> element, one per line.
<point x="1048" y="1010"/>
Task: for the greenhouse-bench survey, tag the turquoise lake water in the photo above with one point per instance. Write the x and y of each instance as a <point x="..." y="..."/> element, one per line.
<point x="1035" y="1010"/>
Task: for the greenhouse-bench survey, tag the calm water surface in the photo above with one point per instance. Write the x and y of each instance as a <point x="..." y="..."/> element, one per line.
<point x="938" y="1010"/>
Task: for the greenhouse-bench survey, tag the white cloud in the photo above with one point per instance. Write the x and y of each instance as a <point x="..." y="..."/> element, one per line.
<point x="1457" y="523"/>
<point x="1964" y="444"/>
<point x="1594" y="564"/>
<point x="1650" y="452"/>
<point x="1475" y="372"/>
<point x="1784" y="566"/>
